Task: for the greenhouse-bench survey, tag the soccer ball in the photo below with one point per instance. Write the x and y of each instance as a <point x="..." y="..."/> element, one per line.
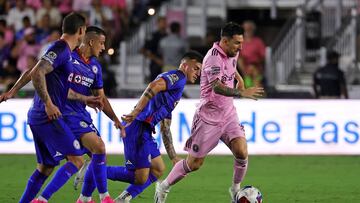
<point x="249" y="194"/>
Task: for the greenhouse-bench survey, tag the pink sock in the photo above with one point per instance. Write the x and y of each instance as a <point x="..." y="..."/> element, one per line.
<point x="179" y="171"/>
<point x="240" y="168"/>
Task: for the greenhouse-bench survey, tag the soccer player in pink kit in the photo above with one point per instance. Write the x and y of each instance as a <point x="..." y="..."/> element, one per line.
<point x="216" y="118"/>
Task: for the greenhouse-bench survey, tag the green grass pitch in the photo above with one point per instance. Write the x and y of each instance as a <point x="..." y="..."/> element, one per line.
<point x="281" y="179"/>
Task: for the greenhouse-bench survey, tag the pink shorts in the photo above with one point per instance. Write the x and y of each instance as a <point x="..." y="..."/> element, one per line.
<point x="204" y="137"/>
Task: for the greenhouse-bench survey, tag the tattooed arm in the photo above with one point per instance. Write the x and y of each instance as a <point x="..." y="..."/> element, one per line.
<point x="38" y="78"/>
<point x="251" y="93"/>
<point x="21" y="82"/>
<point x="152" y="89"/>
<point x="167" y="139"/>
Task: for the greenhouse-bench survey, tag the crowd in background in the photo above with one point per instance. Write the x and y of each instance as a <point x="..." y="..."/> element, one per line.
<point x="28" y="26"/>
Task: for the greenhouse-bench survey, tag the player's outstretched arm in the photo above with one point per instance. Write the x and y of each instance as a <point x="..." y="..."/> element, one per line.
<point x="251" y="93"/>
<point x="108" y="110"/>
<point x="21" y="82"/>
<point x="38" y="78"/>
<point x="152" y="89"/>
<point x="168" y="141"/>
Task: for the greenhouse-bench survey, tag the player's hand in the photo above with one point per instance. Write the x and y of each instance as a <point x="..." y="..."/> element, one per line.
<point x="252" y="92"/>
<point x="128" y="118"/>
<point x="175" y="160"/>
<point x="52" y="111"/>
<point x="118" y="125"/>
<point x="95" y="102"/>
<point x="5" y="96"/>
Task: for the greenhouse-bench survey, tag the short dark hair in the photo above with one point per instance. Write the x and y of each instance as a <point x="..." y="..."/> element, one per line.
<point x="175" y="27"/>
<point x="193" y="55"/>
<point x="331" y="55"/>
<point x="95" y="30"/>
<point x="72" y="22"/>
<point x="231" y="29"/>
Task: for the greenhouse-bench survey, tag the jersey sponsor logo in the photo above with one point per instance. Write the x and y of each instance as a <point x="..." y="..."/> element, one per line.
<point x="83" y="124"/>
<point x="215" y="70"/>
<point x="95" y="69"/>
<point x="76" y="144"/>
<point x="79" y="79"/>
<point x="173" y="78"/>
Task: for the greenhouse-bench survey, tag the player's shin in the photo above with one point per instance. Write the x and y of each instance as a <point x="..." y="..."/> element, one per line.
<point x="98" y="165"/>
<point x="61" y="177"/>
<point x="240" y="168"/>
<point x="33" y="186"/>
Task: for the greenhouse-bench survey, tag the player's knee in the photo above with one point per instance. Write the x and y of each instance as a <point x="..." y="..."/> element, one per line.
<point x="241" y="154"/>
<point x="45" y="170"/>
<point x="99" y="147"/>
<point x="141" y="179"/>
<point x="76" y="160"/>
<point x="195" y="165"/>
<point x="158" y="171"/>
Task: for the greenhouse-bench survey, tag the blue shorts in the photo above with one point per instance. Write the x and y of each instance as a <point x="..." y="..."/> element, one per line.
<point x="139" y="146"/>
<point x="54" y="141"/>
<point x="79" y="126"/>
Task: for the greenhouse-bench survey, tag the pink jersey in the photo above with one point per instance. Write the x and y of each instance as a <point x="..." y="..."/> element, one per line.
<point x="215" y="108"/>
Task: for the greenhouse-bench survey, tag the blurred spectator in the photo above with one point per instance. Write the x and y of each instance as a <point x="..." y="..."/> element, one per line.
<point x="114" y="3"/>
<point x="54" y="13"/>
<point x="172" y="47"/>
<point x="4" y="7"/>
<point x="252" y="57"/>
<point x="17" y="13"/>
<point x="8" y="73"/>
<point x="19" y="35"/>
<point x="81" y="5"/>
<point x="43" y="29"/>
<point x="34" y="4"/>
<point x="209" y="40"/>
<point x="138" y="12"/>
<point x="329" y="81"/>
<point x="65" y="6"/>
<point x="9" y="34"/>
<point x="151" y="48"/>
<point x="100" y="15"/>
<point x="26" y="50"/>
<point x="54" y="35"/>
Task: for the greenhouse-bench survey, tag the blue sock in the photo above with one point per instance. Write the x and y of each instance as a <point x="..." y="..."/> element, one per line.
<point x="120" y="173"/>
<point x="33" y="186"/>
<point x="135" y="190"/>
<point x="89" y="183"/>
<point x="98" y="164"/>
<point x="61" y="177"/>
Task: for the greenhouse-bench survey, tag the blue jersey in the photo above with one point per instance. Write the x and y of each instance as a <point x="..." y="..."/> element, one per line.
<point x="87" y="75"/>
<point x="163" y="103"/>
<point x="59" y="56"/>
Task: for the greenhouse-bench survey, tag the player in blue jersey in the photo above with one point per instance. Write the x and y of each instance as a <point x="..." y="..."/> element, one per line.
<point x="86" y="79"/>
<point x="143" y="162"/>
<point x="52" y="137"/>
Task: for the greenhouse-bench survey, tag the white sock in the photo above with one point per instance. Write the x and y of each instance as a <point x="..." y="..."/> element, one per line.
<point x="103" y="195"/>
<point x="235" y="187"/>
<point x="41" y="198"/>
<point x="164" y="185"/>
<point x="84" y="198"/>
<point x="125" y="195"/>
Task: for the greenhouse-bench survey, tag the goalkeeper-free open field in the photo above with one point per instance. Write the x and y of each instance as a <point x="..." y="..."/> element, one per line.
<point x="281" y="179"/>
